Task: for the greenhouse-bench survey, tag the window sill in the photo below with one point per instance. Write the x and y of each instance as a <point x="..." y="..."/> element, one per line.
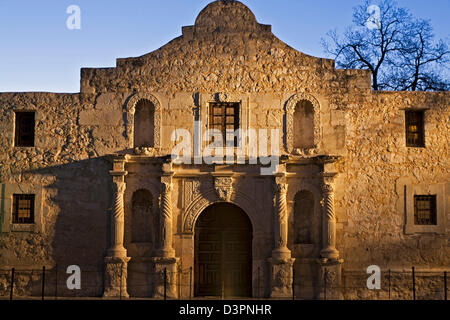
<point x="23" y="227"/>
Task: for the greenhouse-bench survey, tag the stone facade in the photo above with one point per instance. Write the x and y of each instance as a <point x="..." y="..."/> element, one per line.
<point x="85" y="168"/>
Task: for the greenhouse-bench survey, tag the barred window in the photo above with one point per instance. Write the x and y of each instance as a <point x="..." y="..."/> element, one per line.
<point x="24" y="131"/>
<point x="425" y="210"/>
<point x="223" y="117"/>
<point x="415" y="136"/>
<point x="23" y="208"/>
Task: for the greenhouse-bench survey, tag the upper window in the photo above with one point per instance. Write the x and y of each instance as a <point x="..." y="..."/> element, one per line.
<point x="415" y="136"/>
<point x="23" y="208"/>
<point x="425" y="210"/>
<point x="144" y="124"/>
<point x="224" y="116"/>
<point x="24" y="134"/>
<point x="304" y="125"/>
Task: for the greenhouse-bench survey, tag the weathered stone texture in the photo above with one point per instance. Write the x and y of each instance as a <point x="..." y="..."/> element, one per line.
<point x="243" y="62"/>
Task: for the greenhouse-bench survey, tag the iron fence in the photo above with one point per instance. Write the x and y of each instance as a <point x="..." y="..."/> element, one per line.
<point x="51" y="283"/>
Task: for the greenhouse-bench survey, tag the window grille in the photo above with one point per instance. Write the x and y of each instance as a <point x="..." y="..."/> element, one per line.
<point x="425" y="210"/>
<point x="23" y="208"/>
<point x="415" y="129"/>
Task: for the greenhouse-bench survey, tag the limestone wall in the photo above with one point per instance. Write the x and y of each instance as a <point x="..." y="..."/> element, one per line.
<point x="74" y="133"/>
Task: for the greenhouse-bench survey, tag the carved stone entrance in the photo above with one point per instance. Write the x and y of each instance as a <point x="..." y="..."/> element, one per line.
<point x="223" y="252"/>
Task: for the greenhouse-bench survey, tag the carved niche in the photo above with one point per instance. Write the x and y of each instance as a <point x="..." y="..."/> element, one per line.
<point x="290" y="110"/>
<point x="130" y="107"/>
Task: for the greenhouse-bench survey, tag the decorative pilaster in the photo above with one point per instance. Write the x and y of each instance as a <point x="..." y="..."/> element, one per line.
<point x="330" y="266"/>
<point x="329" y="250"/>
<point x="166" y="249"/>
<point x="281" y="262"/>
<point x="280" y="230"/>
<point x="116" y="260"/>
<point x="165" y="256"/>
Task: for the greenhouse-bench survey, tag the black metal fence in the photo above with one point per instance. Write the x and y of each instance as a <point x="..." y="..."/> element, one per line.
<point x="51" y="283"/>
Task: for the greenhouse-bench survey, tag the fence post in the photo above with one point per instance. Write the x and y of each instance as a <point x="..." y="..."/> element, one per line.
<point x="293" y="283"/>
<point x="56" y="282"/>
<point x="121" y="277"/>
<point x="190" y="283"/>
<point x="12" y="284"/>
<point x="414" y="283"/>
<point x="43" y="282"/>
<point x="325" y="284"/>
<point x="389" y="282"/>
<point x="165" y="283"/>
<point x="445" y="285"/>
<point x="258" y="283"/>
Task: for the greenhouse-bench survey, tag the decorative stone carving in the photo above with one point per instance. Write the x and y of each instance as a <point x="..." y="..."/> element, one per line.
<point x="117" y="216"/>
<point x="116" y="261"/>
<point x="280" y="230"/>
<point x="166" y="249"/>
<point x="190" y="191"/>
<point x="170" y="265"/>
<point x="130" y="110"/>
<point x="223" y="187"/>
<point x="209" y="197"/>
<point x="330" y="272"/>
<point x="221" y="97"/>
<point x="145" y="151"/>
<point x="290" y="109"/>
<point x="281" y="278"/>
<point x="329" y="218"/>
<point x="116" y="270"/>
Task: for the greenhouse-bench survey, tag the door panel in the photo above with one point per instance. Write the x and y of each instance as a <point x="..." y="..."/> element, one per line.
<point x="223" y="239"/>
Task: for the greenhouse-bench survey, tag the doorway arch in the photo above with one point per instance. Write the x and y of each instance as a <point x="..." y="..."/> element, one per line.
<point x="223" y="252"/>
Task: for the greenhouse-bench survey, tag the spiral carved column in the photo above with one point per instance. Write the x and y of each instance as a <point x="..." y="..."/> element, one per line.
<point x="281" y="230"/>
<point x="117" y="221"/>
<point x="281" y="261"/>
<point x="116" y="261"/>
<point x="166" y="220"/>
<point x="164" y="258"/>
<point x="329" y="217"/>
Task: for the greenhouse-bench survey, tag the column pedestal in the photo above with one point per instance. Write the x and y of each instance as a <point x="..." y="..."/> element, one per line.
<point x="281" y="277"/>
<point x="116" y="277"/>
<point x="331" y="270"/>
<point x="171" y="266"/>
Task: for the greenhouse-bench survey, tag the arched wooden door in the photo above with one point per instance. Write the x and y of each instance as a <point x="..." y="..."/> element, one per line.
<point x="223" y="252"/>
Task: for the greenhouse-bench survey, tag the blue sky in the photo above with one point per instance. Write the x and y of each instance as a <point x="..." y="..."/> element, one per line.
<point x="39" y="53"/>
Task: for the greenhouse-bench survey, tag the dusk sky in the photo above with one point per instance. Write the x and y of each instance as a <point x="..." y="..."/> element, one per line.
<point x="39" y="53"/>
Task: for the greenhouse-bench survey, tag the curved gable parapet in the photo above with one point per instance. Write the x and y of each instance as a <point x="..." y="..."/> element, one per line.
<point x="228" y="16"/>
<point x="226" y="33"/>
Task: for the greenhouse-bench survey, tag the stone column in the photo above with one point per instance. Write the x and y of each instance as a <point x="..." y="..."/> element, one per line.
<point x="116" y="260"/>
<point x="166" y="249"/>
<point x="330" y="266"/>
<point x="280" y="222"/>
<point x="165" y="255"/>
<point x="281" y="261"/>
<point x="329" y="250"/>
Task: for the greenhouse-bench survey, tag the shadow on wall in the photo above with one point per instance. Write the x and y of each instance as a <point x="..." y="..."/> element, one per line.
<point x="78" y="206"/>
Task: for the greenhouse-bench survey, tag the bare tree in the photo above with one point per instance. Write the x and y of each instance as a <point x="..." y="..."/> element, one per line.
<point x="395" y="46"/>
